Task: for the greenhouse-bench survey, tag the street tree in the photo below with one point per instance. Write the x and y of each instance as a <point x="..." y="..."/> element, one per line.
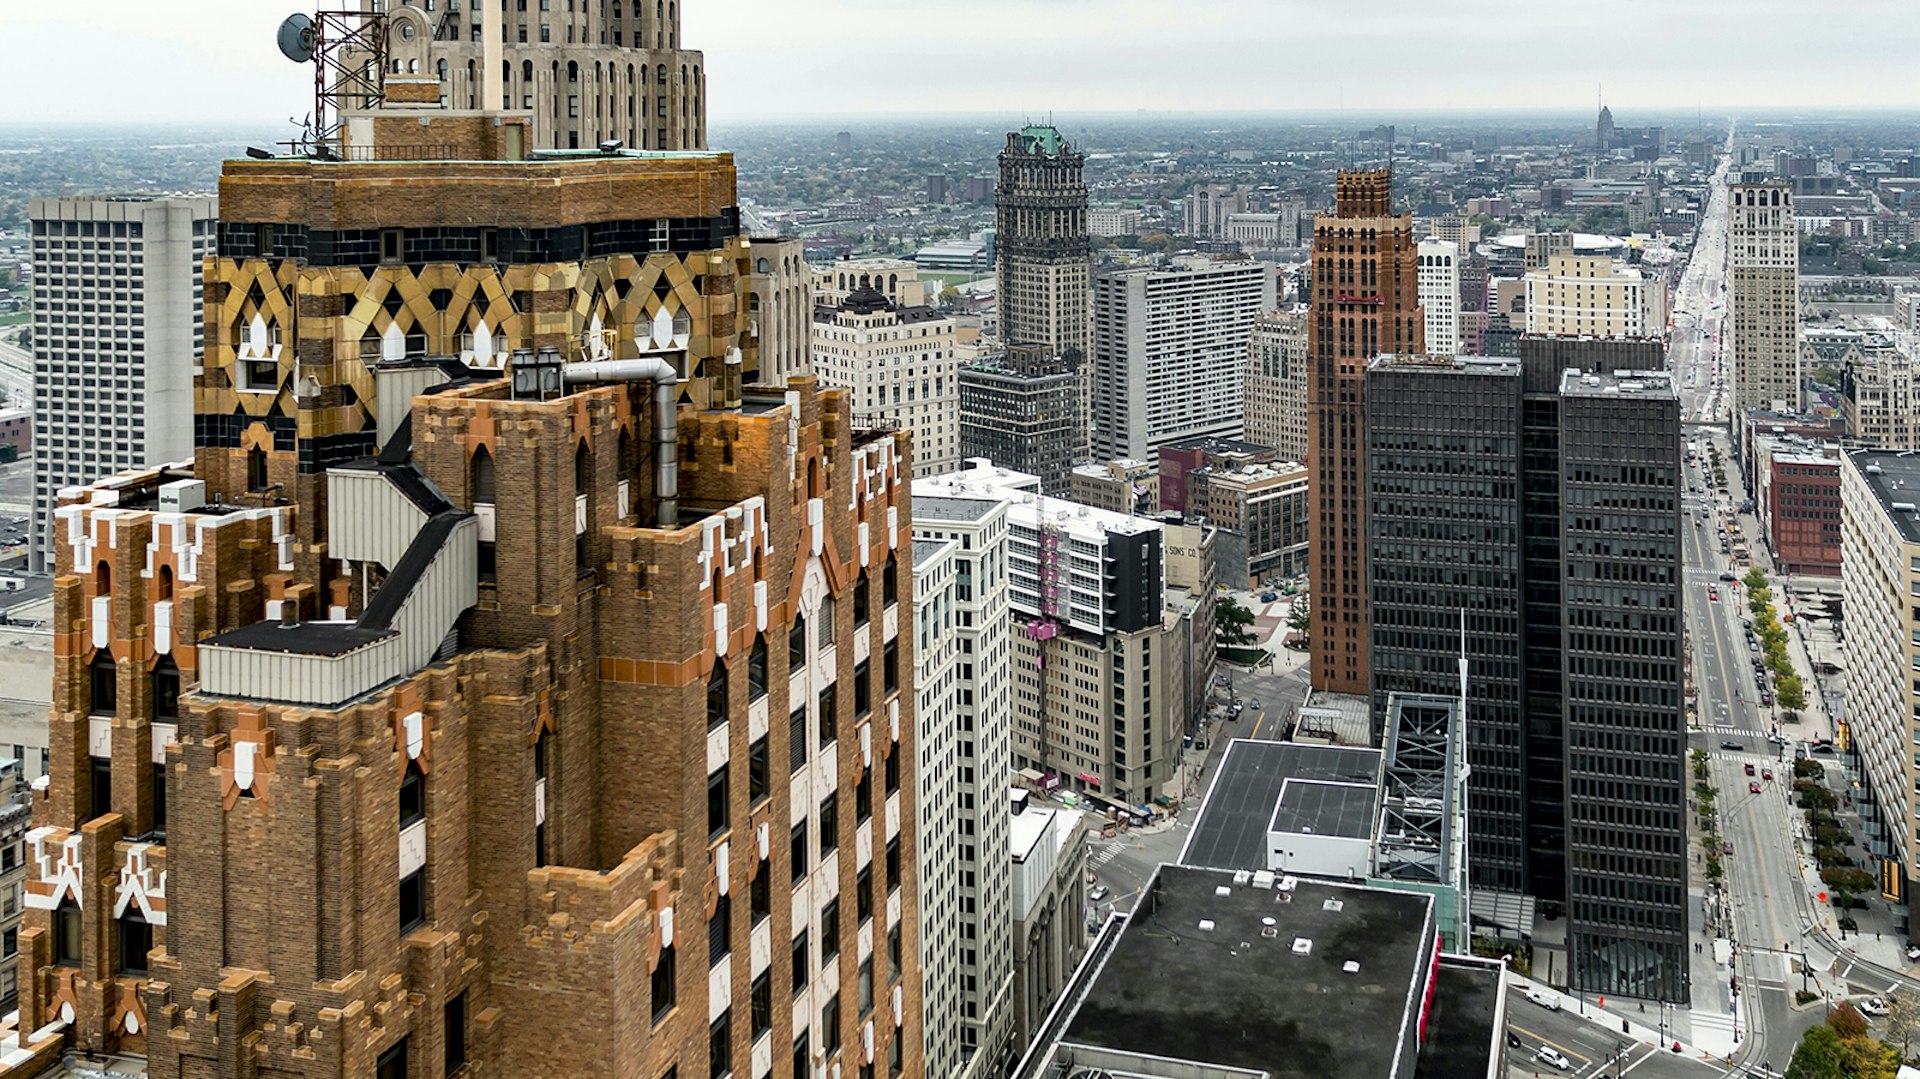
<point x="1900" y="1027"/>
<point x="1300" y="617"/>
<point x="1792" y="693"/>
<point x="1231" y="623"/>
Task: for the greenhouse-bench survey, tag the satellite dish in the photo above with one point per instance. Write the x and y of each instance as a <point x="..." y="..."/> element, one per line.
<point x="298" y="38"/>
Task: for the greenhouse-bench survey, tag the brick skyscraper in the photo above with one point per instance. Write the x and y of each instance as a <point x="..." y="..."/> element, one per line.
<point x="1365" y="303"/>
<point x="501" y="641"/>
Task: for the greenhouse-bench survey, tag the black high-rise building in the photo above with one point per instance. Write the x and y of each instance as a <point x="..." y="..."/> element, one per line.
<point x="1527" y="514"/>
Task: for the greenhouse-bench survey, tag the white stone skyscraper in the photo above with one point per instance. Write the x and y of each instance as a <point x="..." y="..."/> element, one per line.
<point x="1763" y="271"/>
<point x="1440" y="295"/>
<point x="117" y="338"/>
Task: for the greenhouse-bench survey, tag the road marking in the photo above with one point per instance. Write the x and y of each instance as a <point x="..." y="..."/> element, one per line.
<point x="1556" y="1045"/>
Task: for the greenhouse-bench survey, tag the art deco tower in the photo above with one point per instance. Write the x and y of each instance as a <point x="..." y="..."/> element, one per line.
<point x="1763" y="302"/>
<point x="1040" y="220"/>
<point x="510" y="686"/>
<point x="1365" y="303"/>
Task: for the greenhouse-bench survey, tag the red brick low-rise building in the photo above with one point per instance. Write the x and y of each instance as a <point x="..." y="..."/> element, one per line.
<point x="1797" y="500"/>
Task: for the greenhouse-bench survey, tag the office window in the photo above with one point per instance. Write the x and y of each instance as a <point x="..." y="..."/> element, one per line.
<point x="797" y="643"/>
<point x="863" y="798"/>
<point x="663" y="987"/>
<point x="392" y="1063"/>
<point x="761" y="997"/>
<point x="99" y="786"/>
<point x="720" y="1046"/>
<point x="829" y="715"/>
<point x="159" y="802"/>
<point x="829" y="931"/>
<point x="893" y="770"/>
<point x="890" y="665"/>
<point x="102" y="683"/>
<point x="797" y="739"/>
<point x="720" y="931"/>
<point x="862" y="691"/>
<point x="893" y="864"/>
<point x="864" y="981"/>
<point x="717" y="695"/>
<point x="802" y="962"/>
<point x="797" y="850"/>
<point x="66" y="935"/>
<point x="894" y="968"/>
<point x="413" y="796"/>
<point x="413" y="901"/>
<point x="453" y="1024"/>
<point x="136" y="940"/>
<point x="860" y="601"/>
<point x="890" y="583"/>
<point x="863" y="894"/>
<point x="829" y="823"/>
<point x="717" y="803"/>
<point x="802" y="1058"/>
<point x="830" y="1024"/>
<point x="760" y="894"/>
<point x="166" y="690"/>
<point x="758" y="769"/>
<point x="757" y="670"/>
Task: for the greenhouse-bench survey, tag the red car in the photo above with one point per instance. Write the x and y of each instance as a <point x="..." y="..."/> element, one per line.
<point x="1766" y="774"/>
<point x="1712" y="592"/>
<point x="1753" y="788"/>
<point x="1749" y="767"/>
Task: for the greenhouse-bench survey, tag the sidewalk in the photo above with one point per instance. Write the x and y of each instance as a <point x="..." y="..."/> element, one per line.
<point x="1626" y="1016"/>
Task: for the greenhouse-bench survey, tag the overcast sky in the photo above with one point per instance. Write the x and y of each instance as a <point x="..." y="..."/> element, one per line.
<point x="105" y="60"/>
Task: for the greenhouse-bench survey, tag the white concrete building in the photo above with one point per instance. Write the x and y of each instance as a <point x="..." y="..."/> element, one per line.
<point x="1049" y="861"/>
<point x="900" y="364"/>
<point x="964" y="650"/>
<point x="1763" y="307"/>
<point x="1169" y="346"/>
<point x="116" y="338"/>
<point x="1274" y="389"/>
<point x="1593" y="296"/>
<point x="1112" y="221"/>
<point x="781" y="307"/>
<point x="896" y="279"/>
<point x="1440" y="295"/>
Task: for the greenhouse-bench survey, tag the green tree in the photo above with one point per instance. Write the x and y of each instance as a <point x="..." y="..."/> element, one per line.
<point x="1756" y="579"/>
<point x="1300" y="617"/>
<point x="1900" y="1027"/>
<point x="1821" y="1054"/>
<point x="1231" y="623"/>
<point x="1792" y="692"/>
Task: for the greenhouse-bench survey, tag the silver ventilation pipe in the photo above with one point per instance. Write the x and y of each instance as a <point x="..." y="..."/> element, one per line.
<point x="666" y="396"/>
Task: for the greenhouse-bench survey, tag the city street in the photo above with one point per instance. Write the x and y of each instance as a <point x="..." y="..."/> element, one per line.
<point x="1593" y="1045"/>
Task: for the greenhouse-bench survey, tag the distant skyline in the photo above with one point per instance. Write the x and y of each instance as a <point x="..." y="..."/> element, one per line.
<point x="775" y="59"/>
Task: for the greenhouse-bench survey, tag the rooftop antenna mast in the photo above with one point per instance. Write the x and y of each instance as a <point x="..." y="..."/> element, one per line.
<point x="348" y="51"/>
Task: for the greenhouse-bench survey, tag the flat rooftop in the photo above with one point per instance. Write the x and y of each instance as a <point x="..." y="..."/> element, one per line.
<point x="1636" y="383"/>
<point x="1241" y="993"/>
<point x="1894" y="478"/>
<point x="1290" y="786"/>
<point x="1467" y="1018"/>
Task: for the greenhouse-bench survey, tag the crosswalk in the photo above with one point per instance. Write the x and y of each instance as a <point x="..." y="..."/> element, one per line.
<point x="1104" y="855"/>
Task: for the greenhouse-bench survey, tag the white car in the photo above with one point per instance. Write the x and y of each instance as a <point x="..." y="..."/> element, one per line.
<point x="1549" y="1055"/>
<point x="1549" y="1001"/>
<point x="1872" y="1006"/>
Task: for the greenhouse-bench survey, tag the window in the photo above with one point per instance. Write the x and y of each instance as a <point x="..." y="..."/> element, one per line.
<point x="663" y="986"/>
<point x="797" y="644"/>
<point x="490" y="238"/>
<point x="760" y="894"/>
<point x="99" y="786"/>
<point x="797" y="850"/>
<point x="802" y="962"/>
<point x="893" y="864"/>
<point x="829" y="709"/>
<point x="757" y="670"/>
<point x="720" y="931"/>
<point x="482" y="468"/>
<point x="890" y="583"/>
<point x="863" y="798"/>
<point x="10" y="943"/>
<point x="720" y="1046"/>
<point x="802" y="1058"/>
<point x="762" y="1003"/>
<point x="865" y="983"/>
<point x="829" y="824"/>
<point x="717" y="802"/>
<point x="830" y="1024"/>
<point x="102" y="683"/>
<point x="894" y="968"/>
<point x="413" y="901"/>
<point x="66" y="935"/>
<point x="717" y="695"/>
<point x="413" y="796"/>
<point x="863" y="894"/>
<point x="860" y="601"/>
<point x="862" y="690"/>
<point x="829" y="931"/>
<point x="453" y="1025"/>
<point x="159" y="802"/>
<point x="890" y="665"/>
<point x="256" y="469"/>
<point x="893" y="771"/>
<point x="392" y="1063"/>
<point x="797" y="740"/>
<point x="166" y="691"/>
<point x="390" y="245"/>
<point x="825" y="618"/>
<point x="896" y="1064"/>
<point x="136" y="940"/>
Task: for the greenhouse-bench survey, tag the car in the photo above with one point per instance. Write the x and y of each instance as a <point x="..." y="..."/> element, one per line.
<point x="1731" y="744"/>
<point x="1913" y="953"/>
<point x="1824" y="747"/>
<point x="1549" y="1055"/>
<point x="1269" y="597"/>
<point x="1872" y="1006"/>
<point x="1749" y="767"/>
<point x="1766" y="774"/>
<point x="1727" y="575"/>
<point x="1100" y="894"/>
<point x="1753" y="788"/>
<point x="1766" y="700"/>
<point x="1713" y="593"/>
<point x="1549" y="1001"/>
<point x="1513" y="1040"/>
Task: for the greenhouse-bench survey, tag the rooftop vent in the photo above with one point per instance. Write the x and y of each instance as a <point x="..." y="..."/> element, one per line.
<point x="1332" y="905"/>
<point x="1242" y="877"/>
<point x="1223" y="890"/>
<point x="1873" y="470"/>
<point x="1262" y="879"/>
<point x="1206" y="925"/>
<point x="1302" y="946"/>
<point x="1903" y="507"/>
<point x="1288" y="883"/>
<point x="1350" y="967"/>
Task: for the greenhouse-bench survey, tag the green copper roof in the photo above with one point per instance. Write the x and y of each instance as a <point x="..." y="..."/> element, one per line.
<point x="1044" y="138"/>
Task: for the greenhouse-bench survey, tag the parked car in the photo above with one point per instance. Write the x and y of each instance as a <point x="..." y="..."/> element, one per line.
<point x="1549" y="1001"/>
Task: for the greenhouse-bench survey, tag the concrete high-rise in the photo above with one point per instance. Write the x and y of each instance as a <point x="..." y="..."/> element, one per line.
<point x="898" y="364"/>
<point x="1527" y="516"/>
<point x="1026" y="417"/>
<point x="116" y="339"/>
<point x="1763" y="297"/>
<point x="1274" y="391"/>
<point x="1440" y="295"/>
<point x="965" y="631"/>
<point x="781" y="308"/>
<point x="1594" y="296"/>
<point x="1365" y="303"/>
<point x="584" y="76"/>
<point x="1880" y="543"/>
<point x="1169" y="346"/>
<point x="1040" y="242"/>
<point x="433" y="720"/>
